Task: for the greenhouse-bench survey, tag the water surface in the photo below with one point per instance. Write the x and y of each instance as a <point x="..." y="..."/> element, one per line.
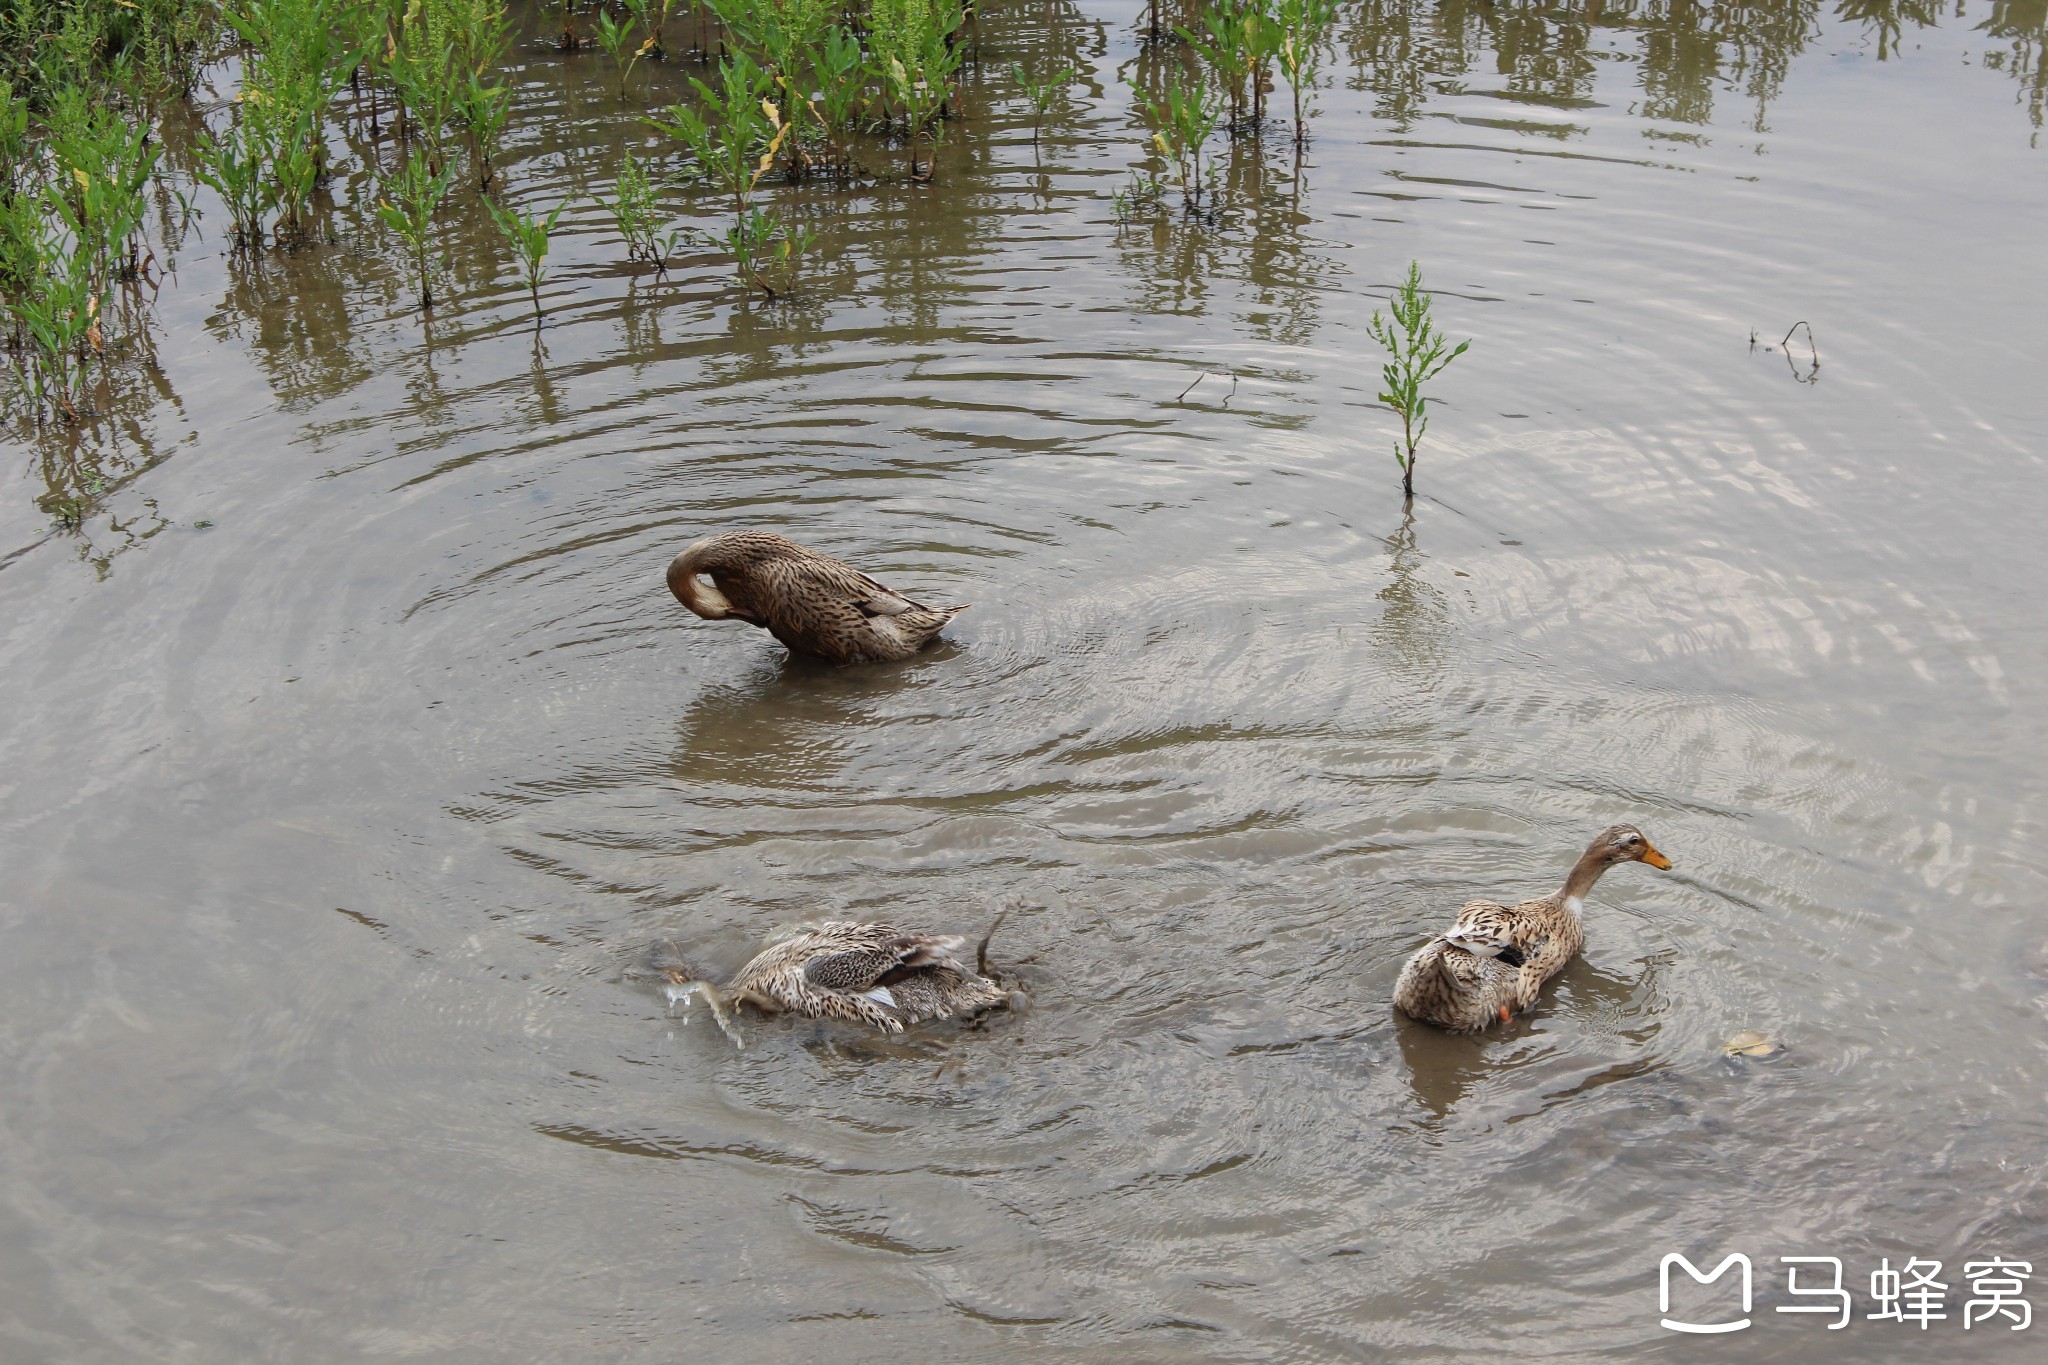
<point x="356" y="756"/>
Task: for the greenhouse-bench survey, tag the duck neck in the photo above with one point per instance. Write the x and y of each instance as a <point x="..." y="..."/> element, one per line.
<point x="706" y="601"/>
<point x="1584" y="873"/>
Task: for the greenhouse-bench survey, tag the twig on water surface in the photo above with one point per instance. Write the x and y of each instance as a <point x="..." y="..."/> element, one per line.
<point x="1786" y="346"/>
<point x="1812" y="375"/>
<point x="1208" y="375"/>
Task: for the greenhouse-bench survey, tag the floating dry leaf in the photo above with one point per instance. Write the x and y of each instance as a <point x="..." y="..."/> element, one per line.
<point x="1750" y="1043"/>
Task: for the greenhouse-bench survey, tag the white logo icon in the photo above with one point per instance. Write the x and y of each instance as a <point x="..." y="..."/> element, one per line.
<point x="1707" y="1277"/>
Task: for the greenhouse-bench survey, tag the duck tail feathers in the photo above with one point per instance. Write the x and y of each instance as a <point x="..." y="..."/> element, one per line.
<point x="931" y="951"/>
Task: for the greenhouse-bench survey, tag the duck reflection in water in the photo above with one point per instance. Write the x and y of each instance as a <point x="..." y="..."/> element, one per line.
<point x="792" y="724"/>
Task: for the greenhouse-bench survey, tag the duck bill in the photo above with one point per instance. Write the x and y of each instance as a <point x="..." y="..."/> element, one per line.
<point x="1654" y="858"/>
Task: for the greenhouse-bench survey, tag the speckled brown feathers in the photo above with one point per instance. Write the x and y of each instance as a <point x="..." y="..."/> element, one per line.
<point x="866" y="973"/>
<point x="812" y="603"/>
<point x="1491" y="964"/>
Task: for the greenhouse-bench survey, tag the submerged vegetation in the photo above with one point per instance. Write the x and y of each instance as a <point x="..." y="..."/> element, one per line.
<point x="1183" y="116"/>
<point x="380" y="132"/>
<point x="87" y="87"/>
<point x="1042" y="95"/>
<point x="787" y="92"/>
<point x="413" y="195"/>
<point x="635" y="209"/>
<point x="527" y="234"/>
<point x="1214" y="71"/>
<point x="734" y="139"/>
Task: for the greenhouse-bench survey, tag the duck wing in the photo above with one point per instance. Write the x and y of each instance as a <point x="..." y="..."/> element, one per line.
<point x="833" y="610"/>
<point x="871" y="968"/>
<point x="1485" y="943"/>
<point x="1487" y="919"/>
<point x="867" y="595"/>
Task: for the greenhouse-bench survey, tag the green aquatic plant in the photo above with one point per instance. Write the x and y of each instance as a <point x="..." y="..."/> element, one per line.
<point x="617" y="40"/>
<point x="484" y="108"/>
<point x="653" y="18"/>
<point x="302" y="53"/>
<point x="733" y="149"/>
<point x="1304" y="28"/>
<point x="1418" y="352"/>
<point x="729" y="137"/>
<point x="17" y="153"/>
<point x="412" y="195"/>
<point x="172" y="39"/>
<point x="790" y="39"/>
<point x="1139" y="193"/>
<point x="839" y="71"/>
<point x="527" y="234"/>
<point x="78" y="154"/>
<point x="1238" y="40"/>
<point x="437" y="56"/>
<point x="56" y="300"/>
<point x="634" y="209"/>
<point x="21" y="221"/>
<point x="915" y="63"/>
<point x="235" y="164"/>
<point x="779" y="34"/>
<point x="103" y="165"/>
<point x="1183" y="117"/>
<point x="130" y="51"/>
<point x="767" y="249"/>
<point x="71" y="219"/>
<point x="428" y="90"/>
<point x="1043" y="95"/>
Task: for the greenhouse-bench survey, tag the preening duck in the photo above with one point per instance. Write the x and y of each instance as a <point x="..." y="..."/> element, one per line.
<point x="873" y="974"/>
<point x="1491" y="963"/>
<point x="811" y="602"/>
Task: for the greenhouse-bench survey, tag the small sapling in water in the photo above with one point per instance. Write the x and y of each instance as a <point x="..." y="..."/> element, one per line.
<point x="634" y="208"/>
<point x="617" y="41"/>
<point x="1419" y="353"/>
<point x="412" y="195"/>
<point x="1042" y="94"/>
<point x="1183" y="117"/>
<point x="1304" y="25"/>
<point x="528" y="235"/>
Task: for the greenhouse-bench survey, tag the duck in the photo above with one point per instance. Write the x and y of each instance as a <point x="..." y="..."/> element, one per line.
<point x="859" y="973"/>
<point x="1490" y="964"/>
<point x="811" y="602"/>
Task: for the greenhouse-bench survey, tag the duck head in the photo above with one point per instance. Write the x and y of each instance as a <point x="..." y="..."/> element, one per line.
<point x="1626" y="844"/>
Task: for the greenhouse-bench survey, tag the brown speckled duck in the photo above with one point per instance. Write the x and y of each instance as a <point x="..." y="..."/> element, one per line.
<point x="811" y="602"/>
<point x="872" y="974"/>
<point x="1494" y="960"/>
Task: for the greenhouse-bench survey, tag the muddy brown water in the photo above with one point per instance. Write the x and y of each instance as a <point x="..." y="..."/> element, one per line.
<point x="354" y="755"/>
